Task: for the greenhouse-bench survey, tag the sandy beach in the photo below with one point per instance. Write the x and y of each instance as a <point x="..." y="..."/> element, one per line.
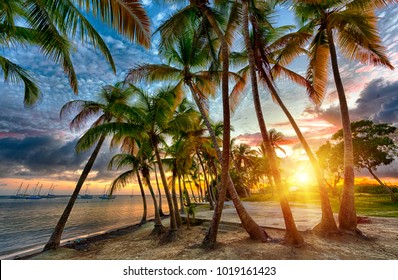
<point x="136" y="243"/>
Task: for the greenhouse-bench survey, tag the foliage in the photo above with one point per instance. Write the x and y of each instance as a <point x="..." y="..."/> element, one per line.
<point x="373" y="144"/>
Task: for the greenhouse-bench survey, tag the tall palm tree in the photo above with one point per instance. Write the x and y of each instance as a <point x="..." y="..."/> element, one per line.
<point x="273" y="50"/>
<point x="108" y="98"/>
<point x="53" y="24"/>
<point x="353" y="25"/>
<point x="187" y="58"/>
<point x="292" y="235"/>
<point x="202" y="9"/>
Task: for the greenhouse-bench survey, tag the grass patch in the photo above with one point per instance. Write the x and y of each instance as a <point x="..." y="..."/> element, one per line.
<point x="366" y="204"/>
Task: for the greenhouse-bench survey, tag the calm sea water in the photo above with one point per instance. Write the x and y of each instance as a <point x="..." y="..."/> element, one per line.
<point x="27" y="224"/>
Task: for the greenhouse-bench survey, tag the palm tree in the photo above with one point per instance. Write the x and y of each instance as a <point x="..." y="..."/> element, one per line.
<point x="272" y="51"/>
<point x="53" y="24"/>
<point x="108" y="98"/>
<point x="122" y="160"/>
<point x="353" y="24"/>
<point x="187" y="59"/>
<point x="292" y="236"/>
<point x="201" y="9"/>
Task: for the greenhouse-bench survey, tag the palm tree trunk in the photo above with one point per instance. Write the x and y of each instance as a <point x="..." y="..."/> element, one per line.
<point x="55" y="239"/>
<point x="158" y="227"/>
<point x="174" y="196"/>
<point x="391" y="193"/>
<point x="182" y="209"/>
<point x="145" y="210"/>
<point x="192" y="192"/>
<point x="173" y="222"/>
<point x="162" y="214"/>
<point x="252" y="228"/>
<point x="327" y="224"/>
<point x="211" y="236"/>
<point x="292" y="236"/>
<point x="188" y="199"/>
<point x="347" y="212"/>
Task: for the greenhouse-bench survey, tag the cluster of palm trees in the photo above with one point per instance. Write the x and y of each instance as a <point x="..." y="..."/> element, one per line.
<point x="207" y="47"/>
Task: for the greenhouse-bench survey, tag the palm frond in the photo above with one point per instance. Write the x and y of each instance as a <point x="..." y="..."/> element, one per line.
<point x="70" y="20"/>
<point x="152" y="72"/>
<point x="52" y="44"/>
<point x="238" y="92"/>
<point x="314" y="96"/>
<point x="359" y="39"/>
<point x="121" y="181"/>
<point x="16" y="74"/>
<point x="317" y="73"/>
<point x="128" y="17"/>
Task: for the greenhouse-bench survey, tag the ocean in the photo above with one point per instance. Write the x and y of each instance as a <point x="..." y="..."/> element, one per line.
<point x="26" y="225"/>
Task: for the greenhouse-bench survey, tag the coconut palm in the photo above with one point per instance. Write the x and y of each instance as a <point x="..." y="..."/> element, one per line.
<point x="108" y="97"/>
<point x="273" y="51"/>
<point x="201" y="9"/>
<point x="353" y="25"/>
<point x="292" y="236"/>
<point x="53" y="24"/>
<point x="187" y="58"/>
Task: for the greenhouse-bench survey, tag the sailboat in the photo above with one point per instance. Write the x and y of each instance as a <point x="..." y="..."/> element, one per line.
<point x="106" y="195"/>
<point x="50" y="194"/>
<point x="86" y="195"/>
<point x="19" y="195"/>
<point x="34" y="195"/>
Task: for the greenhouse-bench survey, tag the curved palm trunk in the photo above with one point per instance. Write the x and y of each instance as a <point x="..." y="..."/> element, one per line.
<point x="173" y="223"/>
<point x="159" y="192"/>
<point x="174" y="197"/>
<point x="188" y="199"/>
<point x="327" y="224"/>
<point x="158" y="227"/>
<point x="55" y="239"/>
<point x="347" y="212"/>
<point x="145" y="210"/>
<point x="390" y="192"/>
<point x="252" y="228"/>
<point x="292" y="236"/>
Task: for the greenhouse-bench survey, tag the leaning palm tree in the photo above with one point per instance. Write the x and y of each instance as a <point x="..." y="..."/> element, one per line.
<point x="52" y="25"/>
<point x="108" y="97"/>
<point x="273" y="50"/>
<point x="354" y="25"/>
<point x="292" y="235"/>
<point x="186" y="59"/>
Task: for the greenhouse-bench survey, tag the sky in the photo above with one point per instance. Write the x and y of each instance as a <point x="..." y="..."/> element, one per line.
<point x="37" y="146"/>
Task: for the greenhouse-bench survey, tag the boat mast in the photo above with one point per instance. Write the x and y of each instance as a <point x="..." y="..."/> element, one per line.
<point x="19" y="189"/>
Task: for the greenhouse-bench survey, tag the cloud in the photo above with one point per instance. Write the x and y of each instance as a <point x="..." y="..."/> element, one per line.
<point x="378" y="101"/>
<point x="38" y="156"/>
